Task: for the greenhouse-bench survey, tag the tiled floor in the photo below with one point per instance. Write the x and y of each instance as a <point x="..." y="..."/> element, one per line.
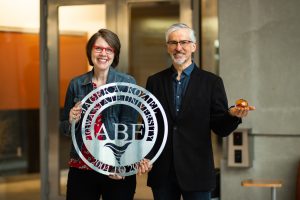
<point x="28" y="188"/>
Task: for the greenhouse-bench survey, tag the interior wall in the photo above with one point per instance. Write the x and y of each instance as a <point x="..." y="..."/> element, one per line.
<point x="19" y="107"/>
<point x="259" y="43"/>
<point x="148" y="23"/>
<point x="14" y="12"/>
<point x="259" y="61"/>
<point x="209" y="36"/>
<point x="20" y="69"/>
<point x="88" y="18"/>
<point x="21" y="50"/>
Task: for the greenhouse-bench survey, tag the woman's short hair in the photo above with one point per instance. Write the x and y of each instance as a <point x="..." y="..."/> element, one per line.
<point x="112" y="40"/>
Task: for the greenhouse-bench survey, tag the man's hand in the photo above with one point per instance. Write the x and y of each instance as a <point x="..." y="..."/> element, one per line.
<point x="241" y="112"/>
<point x="144" y="166"/>
<point x="116" y="177"/>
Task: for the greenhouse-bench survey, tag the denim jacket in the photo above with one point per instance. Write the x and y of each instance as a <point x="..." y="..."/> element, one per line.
<point x="78" y="88"/>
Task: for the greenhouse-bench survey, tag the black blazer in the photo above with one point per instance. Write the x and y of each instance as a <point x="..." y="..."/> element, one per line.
<point x="204" y="108"/>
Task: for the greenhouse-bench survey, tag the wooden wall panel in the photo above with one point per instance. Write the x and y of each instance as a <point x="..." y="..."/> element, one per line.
<point x="19" y="64"/>
<point x="73" y="61"/>
<point x="19" y="77"/>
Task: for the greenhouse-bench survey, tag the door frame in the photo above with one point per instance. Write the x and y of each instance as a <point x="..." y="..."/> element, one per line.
<point x="49" y="90"/>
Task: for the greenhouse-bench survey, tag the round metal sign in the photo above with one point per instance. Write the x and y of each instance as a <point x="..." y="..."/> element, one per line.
<point x="117" y="148"/>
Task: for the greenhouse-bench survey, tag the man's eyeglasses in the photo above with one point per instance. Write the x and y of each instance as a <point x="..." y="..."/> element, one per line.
<point x="100" y="49"/>
<point x="183" y="43"/>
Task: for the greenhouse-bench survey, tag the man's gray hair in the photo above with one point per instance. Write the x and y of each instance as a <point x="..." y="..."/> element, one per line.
<point x="178" y="26"/>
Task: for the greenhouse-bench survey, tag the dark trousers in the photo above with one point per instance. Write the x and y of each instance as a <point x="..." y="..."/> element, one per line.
<point x="163" y="193"/>
<point x="91" y="185"/>
<point x="170" y="190"/>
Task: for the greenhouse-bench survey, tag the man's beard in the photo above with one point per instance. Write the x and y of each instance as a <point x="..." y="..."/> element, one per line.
<point x="178" y="61"/>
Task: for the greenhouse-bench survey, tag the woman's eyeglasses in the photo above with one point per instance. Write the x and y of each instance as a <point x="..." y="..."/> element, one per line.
<point x="100" y="49"/>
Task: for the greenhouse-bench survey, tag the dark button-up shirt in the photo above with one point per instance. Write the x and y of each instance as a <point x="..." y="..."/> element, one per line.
<point x="179" y="86"/>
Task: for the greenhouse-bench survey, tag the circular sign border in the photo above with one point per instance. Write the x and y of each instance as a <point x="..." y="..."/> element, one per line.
<point x="130" y="85"/>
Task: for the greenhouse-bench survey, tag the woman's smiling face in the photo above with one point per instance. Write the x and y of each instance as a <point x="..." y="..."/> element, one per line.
<point x="102" y="54"/>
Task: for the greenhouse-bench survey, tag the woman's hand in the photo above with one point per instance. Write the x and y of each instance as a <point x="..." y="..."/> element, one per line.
<point x="75" y="113"/>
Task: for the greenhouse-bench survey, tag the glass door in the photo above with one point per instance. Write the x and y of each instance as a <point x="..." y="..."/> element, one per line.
<point x="65" y="27"/>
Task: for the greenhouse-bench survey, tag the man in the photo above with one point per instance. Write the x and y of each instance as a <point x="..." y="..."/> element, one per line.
<point x="195" y="103"/>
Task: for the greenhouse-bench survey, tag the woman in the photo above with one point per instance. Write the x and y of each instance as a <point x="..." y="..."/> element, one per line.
<point x="102" y="50"/>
